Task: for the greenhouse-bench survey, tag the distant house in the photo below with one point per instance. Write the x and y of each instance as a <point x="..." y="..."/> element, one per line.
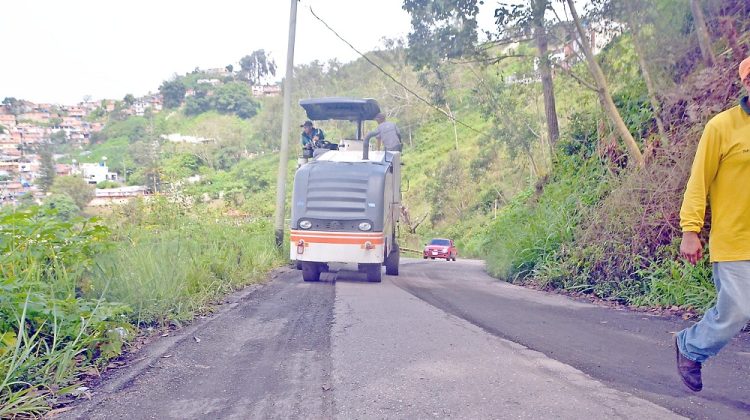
<point x="266" y="90"/>
<point x="76" y="112"/>
<point x="156" y="102"/>
<point x="8" y="120"/>
<point x="212" y="82"/>
<point x="29" y="133"/>
<point x="139" y="107"/>
<point x="6" y="145"/>
<point x="63" y="169"/>
<point x="29" y="167"/>
<point x="218" y="71"/>
<point x="11" y="188"/>
<point x="9" y="164"/>
<point x="120" y="195"/>
<point x="94" y="173"/>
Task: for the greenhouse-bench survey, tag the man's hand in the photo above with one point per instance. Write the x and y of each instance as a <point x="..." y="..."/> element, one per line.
<point x="691" y="247"/>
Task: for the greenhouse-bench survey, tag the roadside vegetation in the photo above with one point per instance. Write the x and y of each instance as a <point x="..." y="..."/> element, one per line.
<point x="76" y="291"/>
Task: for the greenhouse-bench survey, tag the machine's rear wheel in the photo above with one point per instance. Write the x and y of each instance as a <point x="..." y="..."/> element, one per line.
<point x="310" y="271"/>
<point x="391" y="263"/>
<point x="374" y="273"/>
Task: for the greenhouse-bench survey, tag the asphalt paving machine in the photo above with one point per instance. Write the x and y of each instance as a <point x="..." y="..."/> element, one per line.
<point x="346" y="202"/>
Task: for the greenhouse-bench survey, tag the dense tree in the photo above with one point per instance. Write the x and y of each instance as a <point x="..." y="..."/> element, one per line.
<point x="447" y="29"/>
<point x="58" y="137"/>
<point x="64" y="204"/>
<point x="129" y="99"/>
<point x="13" y="105"/>
<point x="235" y="98"/>
<point x="441" y="30"/>
<point x="198" y="103"/>
<point x="47" y="170"/>
<point x="230" y="68"/>
<point x="76" y="188"/>
<point x="229" y="98"/>
<point x="173" y="92"/>
<point x="257" y="66"/>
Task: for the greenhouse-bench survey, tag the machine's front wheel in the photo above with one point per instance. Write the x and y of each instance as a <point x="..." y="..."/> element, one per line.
<point x="391" y="263"/>
<point x="310" y="271"/>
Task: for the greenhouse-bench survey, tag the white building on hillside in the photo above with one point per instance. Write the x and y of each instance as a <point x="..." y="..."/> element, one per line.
<point x="95" y="173"/>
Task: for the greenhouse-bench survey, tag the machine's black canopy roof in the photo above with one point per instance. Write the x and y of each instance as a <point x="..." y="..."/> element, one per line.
<point x="350" y="109"/>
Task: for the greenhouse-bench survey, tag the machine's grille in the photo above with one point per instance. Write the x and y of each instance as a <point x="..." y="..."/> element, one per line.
<point x="337" y="198"/>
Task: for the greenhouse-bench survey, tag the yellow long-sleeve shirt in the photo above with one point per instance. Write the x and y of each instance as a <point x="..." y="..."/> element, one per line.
<point x="721" y="171"/>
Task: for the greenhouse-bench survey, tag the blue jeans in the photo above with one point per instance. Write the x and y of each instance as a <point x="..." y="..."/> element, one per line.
<point x="727" y="318"/>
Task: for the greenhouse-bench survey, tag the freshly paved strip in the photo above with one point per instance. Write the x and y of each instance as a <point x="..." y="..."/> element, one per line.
<point x="395" y="356"/>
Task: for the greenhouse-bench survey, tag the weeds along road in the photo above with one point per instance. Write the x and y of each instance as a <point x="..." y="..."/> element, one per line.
<point x="441" y="340"/>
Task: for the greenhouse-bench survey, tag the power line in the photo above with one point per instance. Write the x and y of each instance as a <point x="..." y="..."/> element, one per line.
<point x="430" y="104"/>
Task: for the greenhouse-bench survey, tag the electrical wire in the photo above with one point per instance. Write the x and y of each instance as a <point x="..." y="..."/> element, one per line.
<point x="430" y="104"/>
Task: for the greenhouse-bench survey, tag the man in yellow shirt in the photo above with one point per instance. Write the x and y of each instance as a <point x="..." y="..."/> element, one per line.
<point x="721" y="172"/>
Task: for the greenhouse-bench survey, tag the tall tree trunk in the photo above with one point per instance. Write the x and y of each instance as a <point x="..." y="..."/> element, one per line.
<point x="604" y="96"/>
<point x="638" y="46"/>
<point x="548" y="89"/>
<point x="702" y="30"/>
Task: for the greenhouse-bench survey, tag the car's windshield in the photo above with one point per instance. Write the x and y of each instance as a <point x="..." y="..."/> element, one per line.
<point x="443" y="242"/>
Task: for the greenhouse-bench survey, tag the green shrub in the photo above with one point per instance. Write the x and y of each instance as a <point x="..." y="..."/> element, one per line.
<point x="48" y="331"/>
<point x="107" y="184"/>
<point x="74" y="187"/>
<point x="63" y="205"/>
<point x="672" y="282"/>
<point x="535" y="224"/>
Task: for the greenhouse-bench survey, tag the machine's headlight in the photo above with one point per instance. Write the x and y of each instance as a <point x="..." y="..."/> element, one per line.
<point x="365" y="226"/>
<point x="305" y="224"/>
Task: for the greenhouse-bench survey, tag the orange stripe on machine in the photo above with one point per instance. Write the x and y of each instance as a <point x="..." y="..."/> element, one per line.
<point x="331" y="240"/>
<point x="338" y="234"/>
<point x="337" y="237"/>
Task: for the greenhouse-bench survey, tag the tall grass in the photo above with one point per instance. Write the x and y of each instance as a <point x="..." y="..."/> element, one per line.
<point x="538" y="222"/>
<point x="73" y="292"/>
<point x="677" y="283"/>
<point x="170" y="268"/>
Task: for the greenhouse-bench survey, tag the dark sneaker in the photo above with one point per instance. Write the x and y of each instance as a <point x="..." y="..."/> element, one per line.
<point x="689" y="371"/>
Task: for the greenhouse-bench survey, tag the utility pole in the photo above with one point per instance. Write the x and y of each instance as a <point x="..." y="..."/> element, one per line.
<point x="284" y="153"/>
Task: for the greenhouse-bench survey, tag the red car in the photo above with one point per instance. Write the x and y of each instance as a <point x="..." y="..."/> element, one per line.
<point x="440" y="248"/>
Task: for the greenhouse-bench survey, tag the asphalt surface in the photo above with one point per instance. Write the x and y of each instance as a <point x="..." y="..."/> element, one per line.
<point x="442" y="340"/>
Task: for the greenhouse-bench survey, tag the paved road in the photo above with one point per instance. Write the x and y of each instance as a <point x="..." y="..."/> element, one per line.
<point x="443" y="340"/>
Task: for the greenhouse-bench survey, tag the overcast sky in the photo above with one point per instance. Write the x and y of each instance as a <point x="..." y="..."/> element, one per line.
<point x="59" y="51"/>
